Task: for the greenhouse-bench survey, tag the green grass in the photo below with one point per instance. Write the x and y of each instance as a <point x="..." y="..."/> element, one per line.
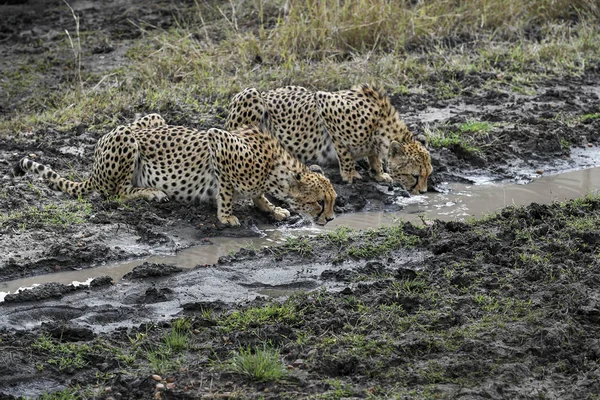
<point x="455" y="140"/>
<point x="256" y="316"/>
<point x="65" y="356"/>
<point x="65" y="394"/>
<point x="588" y="117"/>
<point x="339" y="237"/>
<point x="61" y="214"/>
<point x="475" y="127"/>
<point x="177" y="339"/>
<point x="299" y="245"/>
<point x="381" y="241"/>
<point x="164" y="358"/>
<point x="409" y="286"/>
<point x="257" y="364"/>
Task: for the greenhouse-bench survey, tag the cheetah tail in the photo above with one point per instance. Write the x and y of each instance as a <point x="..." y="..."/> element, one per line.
<point x="53" y="180"/>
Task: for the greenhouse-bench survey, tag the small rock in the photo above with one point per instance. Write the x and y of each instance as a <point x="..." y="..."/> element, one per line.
<point x="157" y="377"/>
<point x="539" y="172"/>
<point x="170" y="379"/>
<point x="32" y="155"/>
<point x="160" y="386"/>
<point x="171" y="385"/>
<point x="298" y="362"/>
<point x="590" y="145"/>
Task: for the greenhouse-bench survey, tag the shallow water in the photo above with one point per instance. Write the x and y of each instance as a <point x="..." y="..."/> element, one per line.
<point x="457" y="202"/>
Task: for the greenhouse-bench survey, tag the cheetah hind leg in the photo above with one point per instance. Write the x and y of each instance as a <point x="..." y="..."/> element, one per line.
<point x="122" y="174"/>
<point x="265" y="205"/>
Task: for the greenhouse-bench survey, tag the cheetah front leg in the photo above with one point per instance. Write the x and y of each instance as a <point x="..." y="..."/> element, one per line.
<point x="225" y="204"/>
<point x="346" y="161"/>
<point x="347" y="169"/>
<point x="130" y="192"/>
<point x="263" y="204"/>
<point x="377" y="169"/>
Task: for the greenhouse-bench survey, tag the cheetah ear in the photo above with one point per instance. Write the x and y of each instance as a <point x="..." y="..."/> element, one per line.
<point x="316" y="168"/>
<point x="298" y="176"/>
<point x="396" y="148"/>
<point x="422" y="139"/>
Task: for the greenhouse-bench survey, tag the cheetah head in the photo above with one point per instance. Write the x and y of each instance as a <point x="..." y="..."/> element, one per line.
<point x="312" y="194"/>
<point x="410" y="164"/>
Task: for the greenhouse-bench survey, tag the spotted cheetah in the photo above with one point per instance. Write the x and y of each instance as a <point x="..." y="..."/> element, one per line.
<point x="345" y="126"/>
<point x="149" y="159"/>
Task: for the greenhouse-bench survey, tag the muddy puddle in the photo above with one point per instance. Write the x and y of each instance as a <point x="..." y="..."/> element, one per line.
<point x="457" y="201"/>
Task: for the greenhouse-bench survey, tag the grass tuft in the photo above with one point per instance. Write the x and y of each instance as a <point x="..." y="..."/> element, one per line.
<point x="262" y="365"/>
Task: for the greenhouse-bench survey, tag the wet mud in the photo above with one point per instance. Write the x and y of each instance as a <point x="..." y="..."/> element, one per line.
<point x="504" y="308"/>
<point x="500" y="308"/>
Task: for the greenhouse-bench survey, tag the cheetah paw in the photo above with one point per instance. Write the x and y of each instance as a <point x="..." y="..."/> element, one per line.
<point x="280" y="213"/>
<point x="230" y="220"/>
<point x="159" y="196"/>
<point x="384" y="177"/>
<point x="348" y="178"/>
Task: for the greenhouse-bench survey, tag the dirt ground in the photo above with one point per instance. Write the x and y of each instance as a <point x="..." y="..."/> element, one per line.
<point x="507" y="307"/>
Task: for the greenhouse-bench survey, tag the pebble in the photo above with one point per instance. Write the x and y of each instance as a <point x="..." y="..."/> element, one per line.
<point x="157" y="377"/>
<point x="590" y="145"/>
<point x="539" y="172"/>
<point x="160" y="386"/>
<point x="170" y="379"/>
<point x="171" y="385"/>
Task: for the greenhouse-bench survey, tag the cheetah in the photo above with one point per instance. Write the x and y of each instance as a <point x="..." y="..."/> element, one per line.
<point x="152" y="160"/>
<point x="345" y="126"/>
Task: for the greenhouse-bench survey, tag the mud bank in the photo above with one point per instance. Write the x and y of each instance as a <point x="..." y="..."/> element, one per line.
<point x="525" y="133"/>
<point x="504" y="307"/>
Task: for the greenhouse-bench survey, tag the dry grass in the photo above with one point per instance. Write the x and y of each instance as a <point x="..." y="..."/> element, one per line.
<point x="213" y="51"/>
<point x="317" y="29"/>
